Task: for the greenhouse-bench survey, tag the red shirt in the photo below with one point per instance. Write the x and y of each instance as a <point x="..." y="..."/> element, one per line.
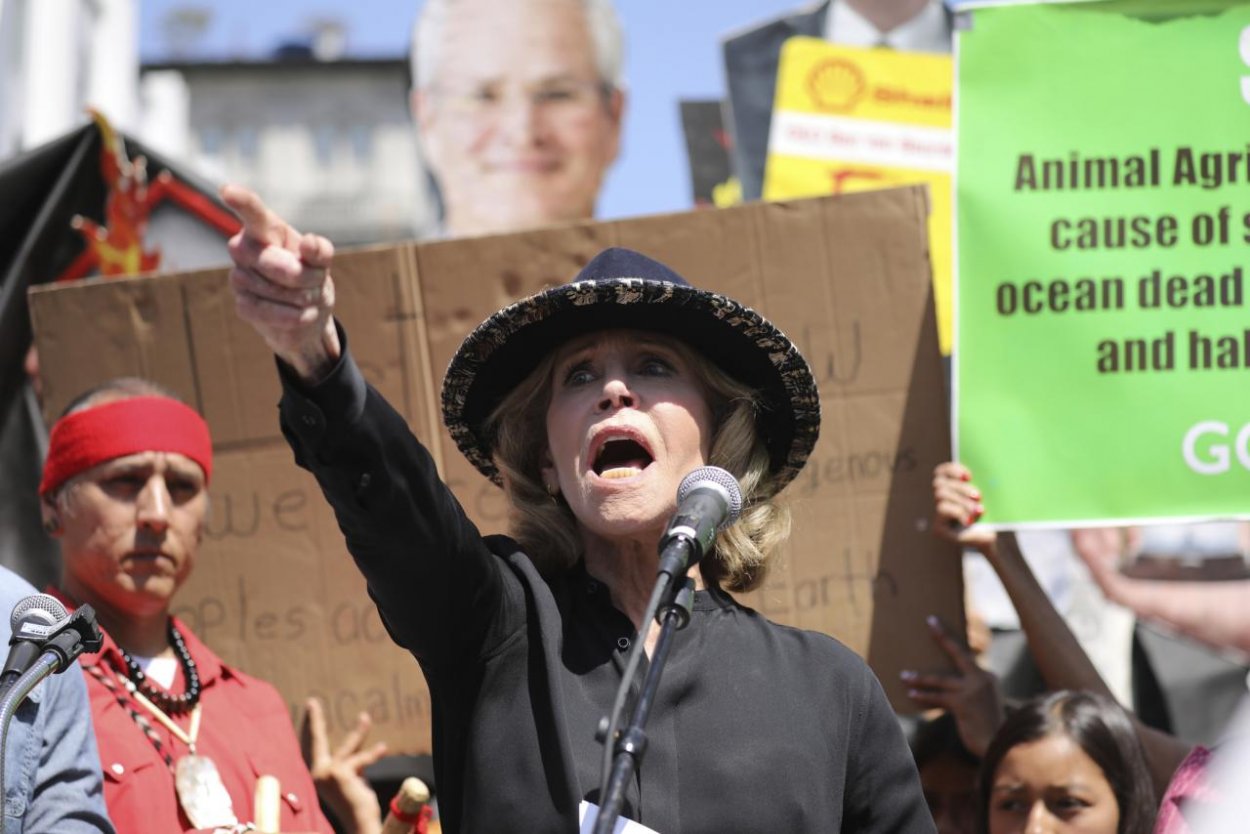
<point x="244" y="728"/>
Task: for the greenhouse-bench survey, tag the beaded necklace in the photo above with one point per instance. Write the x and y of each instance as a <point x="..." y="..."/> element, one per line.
<point x="168" y="702"/>
<point x="197" y="782"/>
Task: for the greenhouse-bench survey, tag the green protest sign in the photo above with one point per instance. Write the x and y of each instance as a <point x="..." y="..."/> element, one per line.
<point x="1103" y="262"/>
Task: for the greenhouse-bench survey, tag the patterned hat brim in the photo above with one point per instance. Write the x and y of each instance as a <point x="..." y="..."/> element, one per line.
<point x="505" y="348"/>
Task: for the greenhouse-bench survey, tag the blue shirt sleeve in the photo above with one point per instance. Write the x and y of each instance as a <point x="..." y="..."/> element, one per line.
<point x="67" y="794"/>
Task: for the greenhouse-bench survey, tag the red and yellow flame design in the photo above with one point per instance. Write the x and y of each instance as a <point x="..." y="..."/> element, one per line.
<point x="117" y="246"/>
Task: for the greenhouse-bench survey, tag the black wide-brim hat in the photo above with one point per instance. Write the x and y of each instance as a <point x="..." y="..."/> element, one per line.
<point x="621" y="288"/>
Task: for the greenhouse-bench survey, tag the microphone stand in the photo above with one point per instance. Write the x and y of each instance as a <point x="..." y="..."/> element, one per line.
<point x="76" y="634"/>
<point x="673" y="614"/>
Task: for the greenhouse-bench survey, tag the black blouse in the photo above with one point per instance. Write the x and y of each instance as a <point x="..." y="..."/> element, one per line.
<point x="757" y="727"/>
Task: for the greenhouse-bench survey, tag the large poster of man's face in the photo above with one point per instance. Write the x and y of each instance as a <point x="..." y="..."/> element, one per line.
<point x="518" y="108"/>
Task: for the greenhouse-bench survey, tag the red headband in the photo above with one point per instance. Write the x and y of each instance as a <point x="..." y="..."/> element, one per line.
<point x="87" y="438"/>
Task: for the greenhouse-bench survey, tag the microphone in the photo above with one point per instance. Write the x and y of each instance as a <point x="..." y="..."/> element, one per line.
<point x="33" y="621"/>
<point x="708" y="500"/>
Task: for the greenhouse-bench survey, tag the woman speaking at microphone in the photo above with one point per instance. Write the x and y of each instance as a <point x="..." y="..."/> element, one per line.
<point x="182" y="736"/>
<point x="588" y="404"/>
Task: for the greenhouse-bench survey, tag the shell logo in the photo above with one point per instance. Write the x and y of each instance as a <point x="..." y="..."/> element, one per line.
<point x="836" y="85"/>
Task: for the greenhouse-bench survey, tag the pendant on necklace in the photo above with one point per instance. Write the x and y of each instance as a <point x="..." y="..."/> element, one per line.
<point x="201" y="793"/>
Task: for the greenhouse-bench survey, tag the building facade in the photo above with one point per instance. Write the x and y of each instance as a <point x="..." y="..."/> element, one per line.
<point x="329" y="144"/>
<point x="59" y="56"/>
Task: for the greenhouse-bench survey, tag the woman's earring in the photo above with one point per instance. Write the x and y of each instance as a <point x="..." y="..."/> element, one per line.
<point x="552" y="489"/>
<point x="52" y="526"/>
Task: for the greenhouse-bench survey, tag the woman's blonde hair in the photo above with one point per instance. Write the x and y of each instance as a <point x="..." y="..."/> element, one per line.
<point x="545" y="527"/>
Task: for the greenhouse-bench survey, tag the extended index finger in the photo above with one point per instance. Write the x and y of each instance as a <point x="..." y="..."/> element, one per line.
<point x="259" y="223"/>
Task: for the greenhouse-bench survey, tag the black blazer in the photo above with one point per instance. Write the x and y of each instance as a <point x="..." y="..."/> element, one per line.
<point x="751" y="60"/>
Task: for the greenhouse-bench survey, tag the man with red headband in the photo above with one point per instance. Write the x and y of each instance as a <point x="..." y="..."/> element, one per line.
<point x="182" y="736"/>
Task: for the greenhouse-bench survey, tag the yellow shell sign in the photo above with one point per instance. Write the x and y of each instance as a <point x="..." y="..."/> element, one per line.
<point x="848" y="119"/>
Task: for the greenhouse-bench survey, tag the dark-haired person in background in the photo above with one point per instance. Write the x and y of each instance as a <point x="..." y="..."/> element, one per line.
<point x="948" y="773"/>
<point x="1059" y="657"/>
<point x="1179" y="773"/>
<point x="1066" y="762"/>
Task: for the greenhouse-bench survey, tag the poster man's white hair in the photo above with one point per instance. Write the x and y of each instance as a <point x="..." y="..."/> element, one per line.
<point x="601" y="20"/>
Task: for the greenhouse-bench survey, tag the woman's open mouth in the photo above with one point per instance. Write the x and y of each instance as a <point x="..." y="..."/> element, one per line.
<point x="621" y="457"/>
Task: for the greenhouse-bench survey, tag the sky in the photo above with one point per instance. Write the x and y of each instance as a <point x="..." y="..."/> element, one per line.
<point x="672" y="53"/>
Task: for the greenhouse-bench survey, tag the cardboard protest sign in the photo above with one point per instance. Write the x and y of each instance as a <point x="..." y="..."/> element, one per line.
<point x="274" y="590"/>
<point x="1102" y="343"/>
<point x="847" y="119"/>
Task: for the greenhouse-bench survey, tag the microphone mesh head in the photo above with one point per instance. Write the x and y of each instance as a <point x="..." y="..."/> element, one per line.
<point x="716" y="477"/>
<point x="41" y="606"/>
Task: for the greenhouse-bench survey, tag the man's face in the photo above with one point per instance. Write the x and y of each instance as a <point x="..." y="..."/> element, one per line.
<point x="516" y="123"/>
<point x="131" y="529"/>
